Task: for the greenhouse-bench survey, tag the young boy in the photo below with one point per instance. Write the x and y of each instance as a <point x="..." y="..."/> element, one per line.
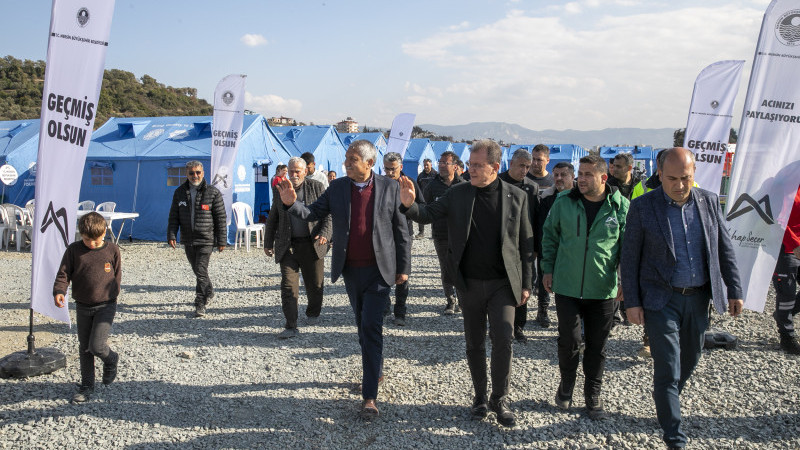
<point x="95" y="269"/>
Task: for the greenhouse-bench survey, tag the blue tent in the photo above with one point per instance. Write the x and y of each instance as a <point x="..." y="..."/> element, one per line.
<point x="565" y="152"/>
<point x="138" y="163"/>
<point x="440" y="147"/>
<point x="418" y="151"/>
<point x="321" y="140"/>
<point x="461" y="149"/>
<point x="644" y="157"/>
<point x="377" y="139"/>
<point x="19" y="145"/>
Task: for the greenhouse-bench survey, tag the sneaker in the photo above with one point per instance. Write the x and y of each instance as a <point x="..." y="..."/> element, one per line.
<point x="504" y="415"/>
<point x="450" y="309"/>
<point x="400" y="321"/>
<point x="288" y="333"/>
<point x="563" y="399"/>
<point x="519" y="335"/>
<point x="479" y="409"/>
<point x="644" y="352"/>
<point x="790" y="345"/>
<point x="200" y="310"/>
<point x="594" y="406"/>
<point x="84" y="394"/>
<point x="312" y="320"/>
<point x="110" y="370"/>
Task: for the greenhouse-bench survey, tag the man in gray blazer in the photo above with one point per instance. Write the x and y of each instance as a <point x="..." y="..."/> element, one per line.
<point x="676" y="253"/>
<point x="371" y="250"/>
<point x="298" y="246"/>
<point x="490" y="242"/>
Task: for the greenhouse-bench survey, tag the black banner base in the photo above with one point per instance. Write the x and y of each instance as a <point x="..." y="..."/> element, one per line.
<point x="23" y="364"/>
<point x="720" y="339"/>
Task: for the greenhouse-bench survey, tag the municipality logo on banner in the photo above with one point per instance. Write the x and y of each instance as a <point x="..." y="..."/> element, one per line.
<point x="400" y="135"/>
<point x="76" y="53"/>
<point x="710" y="114"/>
<point x="766" y="171"/>
<point x="226" y="130"/>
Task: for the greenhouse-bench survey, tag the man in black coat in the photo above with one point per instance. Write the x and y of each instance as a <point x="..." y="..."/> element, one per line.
<point x="515" y="176"/>
<point x="299" y="247"/>
<point x="423" y="179"/>
<point x="198" y="212"/>
<point x="490" y="254"/>
<point x="446" y="178"/>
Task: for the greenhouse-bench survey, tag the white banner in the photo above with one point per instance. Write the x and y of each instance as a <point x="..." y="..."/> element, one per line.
<point x="709" y="124"/>
<point x="76" y="54"/>
<point x="766" y="169"/>
<point x="400" y="135"/>
<point x="226" y="131"/>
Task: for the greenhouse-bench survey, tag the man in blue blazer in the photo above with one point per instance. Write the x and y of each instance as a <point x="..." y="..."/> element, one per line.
<point x="676" y="253"/>
<point x="371" y="250"/>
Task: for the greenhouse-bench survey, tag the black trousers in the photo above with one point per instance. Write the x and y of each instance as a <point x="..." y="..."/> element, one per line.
<point x="447" y="278"/>
<point x="787" y="297"/>
<point x="400" y="297"/>
<point x="198" y="256"/>
<point x="94" y="325"/>
<point x="495" y="299"/>
<point x="301" y="258"/>
<point x="542" y="295"/>
<point x="597" y="318"/>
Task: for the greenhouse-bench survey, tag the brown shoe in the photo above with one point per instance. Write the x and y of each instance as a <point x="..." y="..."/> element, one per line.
<point x="369" y="411"/>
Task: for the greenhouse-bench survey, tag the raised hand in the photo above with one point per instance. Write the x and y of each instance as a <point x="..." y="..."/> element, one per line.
<point x="407" y="192"/>
<point x="287" y="192"/>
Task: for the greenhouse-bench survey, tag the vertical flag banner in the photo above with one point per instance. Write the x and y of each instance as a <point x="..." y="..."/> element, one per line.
<point x="76" y="54"/>
<point x="226" y="132"/>
<point x="709" y="124"/>
<point x="400" y="135"/>
<point x="766" y="170"/>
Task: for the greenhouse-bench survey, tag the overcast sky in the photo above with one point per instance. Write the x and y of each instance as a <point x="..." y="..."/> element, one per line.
<point x="584" y="65"/>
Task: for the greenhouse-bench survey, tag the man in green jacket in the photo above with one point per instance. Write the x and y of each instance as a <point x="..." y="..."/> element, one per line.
<point x="581" y="242"/>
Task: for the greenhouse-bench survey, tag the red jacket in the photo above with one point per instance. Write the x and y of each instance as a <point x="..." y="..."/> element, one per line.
<point x="791" y="239"/>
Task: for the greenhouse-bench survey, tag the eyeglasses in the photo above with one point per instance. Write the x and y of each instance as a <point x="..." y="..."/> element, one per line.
<point x="446" y="163"/>
<point x="195" y="172"/>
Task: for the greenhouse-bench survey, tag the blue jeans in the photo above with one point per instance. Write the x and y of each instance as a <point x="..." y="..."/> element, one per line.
<point x="368" y="294"/>
<point x="676" y="341"/>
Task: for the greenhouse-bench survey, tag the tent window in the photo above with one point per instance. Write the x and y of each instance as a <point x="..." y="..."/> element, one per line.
<point x="176" y="176"/>
<point x="102" y="176"/>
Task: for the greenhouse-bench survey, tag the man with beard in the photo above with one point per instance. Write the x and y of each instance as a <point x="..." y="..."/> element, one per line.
<point x="198" y="212"/>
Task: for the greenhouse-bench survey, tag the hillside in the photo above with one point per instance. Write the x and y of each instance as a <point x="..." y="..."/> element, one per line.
<point x="122" y="95"/>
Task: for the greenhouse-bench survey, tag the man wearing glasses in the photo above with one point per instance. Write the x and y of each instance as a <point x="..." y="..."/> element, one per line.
<point x="393" y="168"/>
<point x="446" y="178"/>
<point x="198" y="211"/>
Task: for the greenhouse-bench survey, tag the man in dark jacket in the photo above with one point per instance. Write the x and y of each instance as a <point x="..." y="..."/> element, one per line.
<point x="515" y="176"/>
<point x="298" y="246"/>
<point x="423" y="179"/>
<point x="490" y="254"/>
<point x="393" y="168"/>
<point x="563" y="180"/>
<point x="198" y="211"/>
<point x="441" y="183"/>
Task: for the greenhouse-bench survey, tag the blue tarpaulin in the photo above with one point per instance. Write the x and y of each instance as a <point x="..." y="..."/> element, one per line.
<point x="19" y="145"/>
<point x="321" y="140"/>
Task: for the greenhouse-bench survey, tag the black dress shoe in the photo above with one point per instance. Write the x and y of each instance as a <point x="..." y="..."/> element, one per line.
<point x="110" y="369"/>
<point x="504" y="415"/>
<point x="479" y="408"/>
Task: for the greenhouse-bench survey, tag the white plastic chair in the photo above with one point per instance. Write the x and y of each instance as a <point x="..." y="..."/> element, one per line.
<point x="106" y="207"/>
<point x="30" y="208"/>
<point x="5" y="226"/>
<point x="258" y="227"/>
<point x="86" y="205"/>
<point x="17" y="220"/>
<point x="243" y="230"/>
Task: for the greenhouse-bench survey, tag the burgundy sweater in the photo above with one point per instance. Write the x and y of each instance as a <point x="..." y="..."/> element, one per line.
<point x="360" y="251"/>
<point x="95" y="274"/>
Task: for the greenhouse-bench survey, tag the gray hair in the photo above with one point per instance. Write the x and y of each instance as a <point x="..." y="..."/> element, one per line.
<point x="392" y="157"/>
<point x="626" y="156"/>
<point x="298" y="161"/>
<point x="522" y="154"/>
<point x="365" y="149"/>
<point x="494" y="154"/>
<point x="194" y="163"/>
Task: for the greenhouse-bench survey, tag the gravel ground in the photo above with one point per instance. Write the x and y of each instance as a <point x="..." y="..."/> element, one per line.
<point x="226" y="381"/>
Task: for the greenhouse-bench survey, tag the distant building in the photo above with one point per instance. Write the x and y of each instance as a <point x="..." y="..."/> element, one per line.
<point x="281" y="121"/>
<point x="347" y="126"/>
